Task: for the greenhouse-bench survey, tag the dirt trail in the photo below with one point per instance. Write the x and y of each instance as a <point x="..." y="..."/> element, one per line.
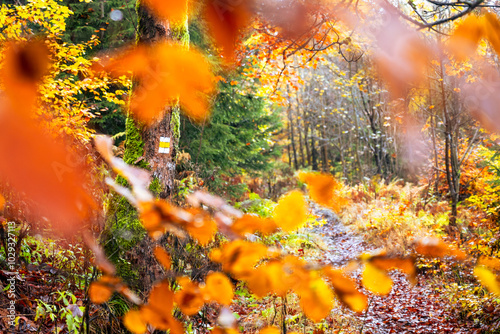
<point x="407" y="309"/>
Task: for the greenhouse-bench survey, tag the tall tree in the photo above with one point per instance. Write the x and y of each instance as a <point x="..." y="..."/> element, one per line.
<point x="156" y="145"/>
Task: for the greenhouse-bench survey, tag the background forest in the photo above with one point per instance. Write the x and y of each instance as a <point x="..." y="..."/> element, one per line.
<point x="249" y="166"/>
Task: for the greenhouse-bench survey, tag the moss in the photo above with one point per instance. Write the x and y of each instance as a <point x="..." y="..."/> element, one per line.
<point x="175" y="124"/>
<point x="180" y="32"/>
<point x="134" y="145"/>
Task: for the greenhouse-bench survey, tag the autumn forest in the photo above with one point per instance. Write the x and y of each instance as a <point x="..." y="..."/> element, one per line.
<point x="249" y="166"/>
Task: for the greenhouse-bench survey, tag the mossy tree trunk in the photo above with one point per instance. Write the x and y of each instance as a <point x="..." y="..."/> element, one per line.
<point x="146" y="146"/>
<point x="125" y="241"/>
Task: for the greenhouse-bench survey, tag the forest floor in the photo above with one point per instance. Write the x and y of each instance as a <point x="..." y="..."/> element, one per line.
<point x="408" y="308"/>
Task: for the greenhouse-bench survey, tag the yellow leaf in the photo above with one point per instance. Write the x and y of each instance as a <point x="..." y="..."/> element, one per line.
<point x="291" y="211"/>
<point x="376" y="280"/>
<point x="219" y="288"/>
<point x="162" y="257"/>
<point x="488" y="279"/>
<point x="134" y="322"/>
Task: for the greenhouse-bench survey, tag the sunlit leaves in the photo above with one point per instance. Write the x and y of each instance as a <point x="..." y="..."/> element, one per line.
<point x="434" y="247"/>
<point x="291" y="211"/>
<point x="323" y="189"/>
<point x="167" y="74"/>
<point x="376" y="280"/>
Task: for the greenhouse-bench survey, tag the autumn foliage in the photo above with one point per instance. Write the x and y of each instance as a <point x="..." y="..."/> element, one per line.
<point x="61" y="182"/>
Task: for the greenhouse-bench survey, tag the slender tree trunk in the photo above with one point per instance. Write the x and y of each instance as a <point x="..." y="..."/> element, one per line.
<point x="450" y="154"/>
<point x="292" y="136"/>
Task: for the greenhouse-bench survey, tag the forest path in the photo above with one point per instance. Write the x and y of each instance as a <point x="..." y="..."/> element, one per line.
<point x="407" y="309"/>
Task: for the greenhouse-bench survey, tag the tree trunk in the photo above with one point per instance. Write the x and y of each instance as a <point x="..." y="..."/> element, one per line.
<point x="165" y="133"/>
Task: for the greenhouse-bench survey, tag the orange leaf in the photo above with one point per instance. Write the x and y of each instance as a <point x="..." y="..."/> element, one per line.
<point x="406" y="265"/>
<point x="166" y="74"/>
<point x="346" y="290"/>
<point x="323" y="189"/>
<point x="434" y="247"/>
<point x="270" y="330"/>
<point x="291" y="211"/>
<point x="189" y="298"/>
<point x="171" y="10"/>
<point x="161" y="299"/>
<point x="2" y="202"/>
<point x="492" y="30"/>
<point x="239" y="257"/>
<point x="225" y="20"/>
<point x="24" y="65"/>
<point x="219" y="288"/>
<point x="252" y="223"/>
<point x="268" y="278"/>
<point x="163" y="257"/>
<point x="316" y="300"/>
<point x="134" y="322"/>
<point x="202" y="227"/>
<point x="53" y="175"/>
<point x="100" y="291"/>
<point x="490" y="262"/>
<point x="161" y="320"/>
<point x="464" y="40"/>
